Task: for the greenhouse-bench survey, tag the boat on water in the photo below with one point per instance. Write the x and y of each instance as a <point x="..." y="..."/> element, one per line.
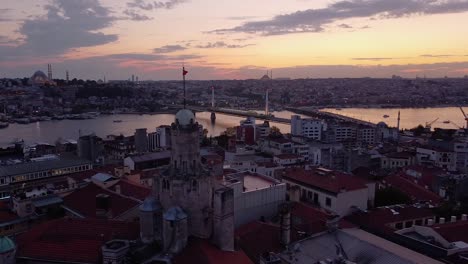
<point x="117" y="121"/>
<point x="386" y="116"/>
<point x="4" y="125"/>
<point x="446" y="122"/>
<point x="22" y="121"/>
<point x="58" y="117"/>
<point x="213" y="117"/>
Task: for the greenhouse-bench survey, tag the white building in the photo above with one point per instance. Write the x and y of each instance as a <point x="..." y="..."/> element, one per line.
<point x="276" y="146"/>
<point x="461" y="149"/>
<point x="288" y="159"/>
<point x="438" y="157"/>
<point x="307" y="127"/>
<point x="255" y="196"/>
<point x="331" y="190"/>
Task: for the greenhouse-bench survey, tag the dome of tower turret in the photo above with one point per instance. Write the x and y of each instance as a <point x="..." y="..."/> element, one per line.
<point x="185" y="117"/>
<point x="150" y="204"/>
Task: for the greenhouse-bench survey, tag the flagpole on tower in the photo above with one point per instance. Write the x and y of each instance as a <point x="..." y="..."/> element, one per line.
<point x="184" y="72"/>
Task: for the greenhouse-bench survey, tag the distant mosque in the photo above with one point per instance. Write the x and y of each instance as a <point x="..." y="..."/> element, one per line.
<point x="268" y="76"/>
<point x="39" y="78"/>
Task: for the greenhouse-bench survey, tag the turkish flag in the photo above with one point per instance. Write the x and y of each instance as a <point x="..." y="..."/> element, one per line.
<point x="184" y="72"/>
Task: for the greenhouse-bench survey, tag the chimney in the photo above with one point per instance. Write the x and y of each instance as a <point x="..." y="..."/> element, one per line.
<point x="118" y="189"/>
<point x="453" y="219"/>
<point x="430" y="222"/>
<point x="285" y="212"/>
<point x="103" y="206"/>
<point x="464" y="217"/>
<point x="442" y="220"/>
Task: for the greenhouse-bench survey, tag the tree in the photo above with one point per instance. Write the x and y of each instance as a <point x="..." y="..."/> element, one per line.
<point x="419" y="130"/>
<point x="230" y="131"/>
<point x="390" y="196"/>
<point x="275" y="131"/>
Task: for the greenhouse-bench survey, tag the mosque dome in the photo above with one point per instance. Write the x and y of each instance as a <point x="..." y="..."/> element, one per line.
<point x="39" y="77"/>
<point x="175" y="214"/>
<point x="382" y="124"/>
<point x="265" y="78"/>
<point x="185" y="117"/>
<point x="6" y="245"/>
<point x="150" y="204"/>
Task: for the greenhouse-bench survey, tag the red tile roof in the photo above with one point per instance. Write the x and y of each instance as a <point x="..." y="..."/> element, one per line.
<point x="149" y="173"/>
<point x="81" y="176"/>
<point x="256" y="238"/>
<point x="6" y="215"/>
<point x="83" y="201"/>
<point x="453" y="232"/>
<point x="412" y="189"/>
<point x="332" y="181"/>
<point x="427" y="175"/>
<point x="202" y="252"/>
<point x="380" y="218"/>
<point x="131" y="189"/>
<point x="73" y="240"/>
<point x="308" y="219"/>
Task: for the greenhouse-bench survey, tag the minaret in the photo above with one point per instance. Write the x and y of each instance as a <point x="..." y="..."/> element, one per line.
<point x="266" y="103"/>
<point x="67" y="76"/>
<point x="49" y="71"/>
<point x="212" y="97"/>
<point x="398" y="127"/>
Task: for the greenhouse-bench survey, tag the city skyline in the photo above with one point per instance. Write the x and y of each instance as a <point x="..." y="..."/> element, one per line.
<point x="234" y="40"/>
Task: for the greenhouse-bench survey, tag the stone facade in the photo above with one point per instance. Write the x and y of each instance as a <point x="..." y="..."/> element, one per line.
<point x="185" y="191"/>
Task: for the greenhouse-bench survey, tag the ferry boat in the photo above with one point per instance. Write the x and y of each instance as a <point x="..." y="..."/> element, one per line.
<point x="446" y="122"/>
<point x="22" y="121"/>
<point x="386" y="116"/>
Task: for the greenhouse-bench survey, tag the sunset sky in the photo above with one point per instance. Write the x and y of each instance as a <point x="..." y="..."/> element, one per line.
<point x="226" y="39"/>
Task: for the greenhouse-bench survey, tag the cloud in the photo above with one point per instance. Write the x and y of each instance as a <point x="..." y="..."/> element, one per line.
<point x="241" y="17"/>
<point x="221" y="44"/>
<point x="66" y="25"/>
<point x="141" y="4"/>
<point x="344" y="26"/>
<point x="3" y="12"/>
<point x="133" y="15"/>
<point x="315" y="20"/>
<point x="438" y="56"/>
<point x="372" y="59"/>
<point x="166" y="67"/>
<point x="169" y="49"/>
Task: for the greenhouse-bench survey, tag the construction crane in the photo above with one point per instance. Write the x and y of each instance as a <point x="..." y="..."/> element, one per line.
<point x="429" y="124"/>
<point x="455" y="124"/>
<point x="464" y="115"/>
